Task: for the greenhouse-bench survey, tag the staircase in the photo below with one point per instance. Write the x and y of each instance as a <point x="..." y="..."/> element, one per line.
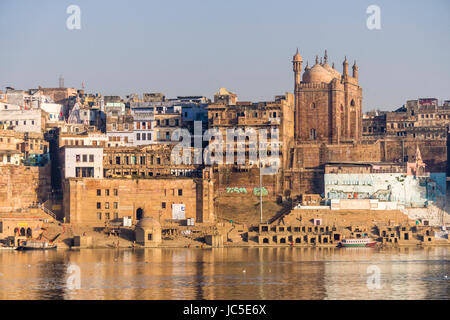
<point x="47" y="211"/>
<point x="44" y="209"/>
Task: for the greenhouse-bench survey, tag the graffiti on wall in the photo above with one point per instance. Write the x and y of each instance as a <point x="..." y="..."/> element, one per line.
<point x="257" y="191"/>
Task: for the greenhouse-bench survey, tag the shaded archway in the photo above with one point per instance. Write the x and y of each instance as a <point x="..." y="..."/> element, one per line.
<point x="22" y="232"/>
<point x="29" y="233"/>
<point x="139" y="214"/>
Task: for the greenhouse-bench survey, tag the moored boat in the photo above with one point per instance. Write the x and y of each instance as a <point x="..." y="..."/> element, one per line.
<point x="361" y="242"/>
<point x="35" y="245"/>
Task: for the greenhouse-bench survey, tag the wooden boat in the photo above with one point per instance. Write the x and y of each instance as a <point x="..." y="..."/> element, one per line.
<point x="7" y="248"/>
<point x="35" y="245"/>
<point x="361" y="242"/>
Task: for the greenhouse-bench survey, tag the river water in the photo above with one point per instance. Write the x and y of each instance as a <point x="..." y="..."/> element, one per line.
<point x="228" y="273"/>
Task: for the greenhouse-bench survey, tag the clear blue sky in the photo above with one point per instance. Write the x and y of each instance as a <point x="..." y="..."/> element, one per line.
<point x="194" y="47"/>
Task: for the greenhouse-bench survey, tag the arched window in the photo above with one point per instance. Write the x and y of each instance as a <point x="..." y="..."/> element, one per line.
<point x="313" y="105"/>
<point x="139" y="214"/>
<point x="352" y="103"/>
<point x="312" y="134"/>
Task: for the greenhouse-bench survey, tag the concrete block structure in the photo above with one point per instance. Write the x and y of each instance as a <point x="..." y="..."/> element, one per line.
<point x="148" y="232"/>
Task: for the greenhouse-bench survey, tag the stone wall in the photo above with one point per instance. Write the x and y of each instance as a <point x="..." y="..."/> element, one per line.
<point x="21" y="186"/>
<point x="434" y="152"/>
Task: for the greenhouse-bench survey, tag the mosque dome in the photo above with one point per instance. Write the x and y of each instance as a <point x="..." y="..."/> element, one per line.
<point x="332" y="71"/>
<point x="317" y="74"/>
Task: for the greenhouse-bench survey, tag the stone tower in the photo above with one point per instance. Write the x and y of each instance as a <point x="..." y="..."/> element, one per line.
<point x="328" y="104"/>
<point x="297" y="67"/>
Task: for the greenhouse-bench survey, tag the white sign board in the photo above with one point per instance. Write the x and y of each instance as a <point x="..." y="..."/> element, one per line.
<point x="178" y="211"/>
<point x="127" y="221"/>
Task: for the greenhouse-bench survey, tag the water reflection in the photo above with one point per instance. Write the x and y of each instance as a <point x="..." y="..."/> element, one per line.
<point x="235" y="273"/>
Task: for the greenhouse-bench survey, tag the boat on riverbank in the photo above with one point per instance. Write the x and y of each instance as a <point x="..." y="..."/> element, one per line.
<point x="35" y="245"/>
<point x="361" y="242"/>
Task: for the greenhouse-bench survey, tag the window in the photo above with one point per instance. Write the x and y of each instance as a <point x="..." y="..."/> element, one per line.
<point x="313" y="134"/>
<point x="107" y="215"/>
<point x="106" y="205"/>
<point x="99" y="205"/>
<point x="116" y="205"/>
<point x="117" y="160"/>
<point x="99" y="215"/>
<point x="143" y="136"/>
<point x="99" y="192"/>
<point x="163" y="205"/>
<point x="116" y="215"/>
<point x="138" y="136"/>
<point x="107" y="192"/>
<point x="180" y="192"/>
<point x="116" y="192"/>
<point x="78" y="158"/>
<point x="84" y="172"/>
<point x="84" y="157"/>
<point x="91" y="158"/>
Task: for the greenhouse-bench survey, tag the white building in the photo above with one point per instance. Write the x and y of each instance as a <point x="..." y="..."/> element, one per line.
<point x="143" y="128"/>
<point x="22" y="120"/>
<point x="82" y="162"/>
<point x="54" y="110"/>
<point x="13" y="157"/>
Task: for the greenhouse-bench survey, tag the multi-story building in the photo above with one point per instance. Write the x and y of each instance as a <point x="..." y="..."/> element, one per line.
<point x="119" y="130"/>
<point x="274" y="115"/>
<point x="81" y="161"/>
<point x="26" y="148"/>
<point x="30" y="120"/>
<point x="146" y="161"/>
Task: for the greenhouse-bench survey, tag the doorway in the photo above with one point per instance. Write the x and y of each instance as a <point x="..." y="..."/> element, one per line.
<point x="139" y="214"/>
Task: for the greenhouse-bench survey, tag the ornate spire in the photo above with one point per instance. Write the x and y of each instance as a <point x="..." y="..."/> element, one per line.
<point x="355" y="70"/>
<point x="307" y="65"/>
<point x="317" y="59"/>
<point x="321" y="60"/>
<point x="325" y="57"/>
<point x="345" y="67"/>
<point x="333" y="65"/>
